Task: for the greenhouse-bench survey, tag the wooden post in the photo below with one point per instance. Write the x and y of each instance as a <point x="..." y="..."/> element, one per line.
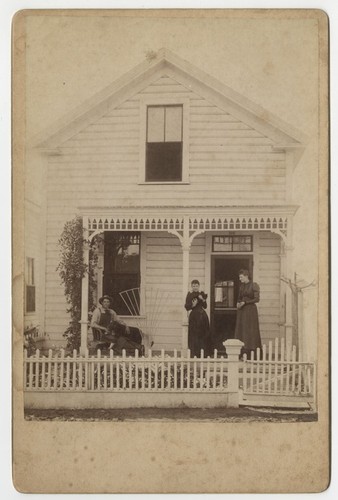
<point x="185" y="242"/>
<point x="233" y="349"/>
<point x="84" y="299"/>
<point x="289" y="326"/>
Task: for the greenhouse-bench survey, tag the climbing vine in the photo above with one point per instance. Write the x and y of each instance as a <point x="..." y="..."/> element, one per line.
<point x="71" y="270"/>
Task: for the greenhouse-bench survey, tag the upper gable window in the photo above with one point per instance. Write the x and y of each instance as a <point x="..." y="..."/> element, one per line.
<point x="164" y="143"/>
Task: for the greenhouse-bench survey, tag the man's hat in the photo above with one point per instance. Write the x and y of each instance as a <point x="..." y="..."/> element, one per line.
<point x="105" y="297"/>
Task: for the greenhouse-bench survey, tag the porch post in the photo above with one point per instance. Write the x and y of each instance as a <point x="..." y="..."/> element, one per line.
<point x="288" y="250"/>
<point x="233" y="349"/>
<point x="84" y="297"/>
<point x="185" y="279"/>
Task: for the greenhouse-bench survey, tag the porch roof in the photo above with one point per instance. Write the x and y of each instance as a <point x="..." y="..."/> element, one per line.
<point x="194" y="218"/>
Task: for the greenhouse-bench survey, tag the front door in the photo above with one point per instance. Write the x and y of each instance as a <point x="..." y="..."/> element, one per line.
<point x="224" y="293"/>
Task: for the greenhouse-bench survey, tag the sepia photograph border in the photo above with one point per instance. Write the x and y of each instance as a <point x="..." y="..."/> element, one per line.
<point x="169" y="434"/>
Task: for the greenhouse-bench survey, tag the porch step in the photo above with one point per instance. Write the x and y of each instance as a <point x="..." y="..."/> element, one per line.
<point x="276" y="401"/>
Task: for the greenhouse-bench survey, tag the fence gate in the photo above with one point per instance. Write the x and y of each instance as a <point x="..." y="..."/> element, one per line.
<point x="274" y="377"/>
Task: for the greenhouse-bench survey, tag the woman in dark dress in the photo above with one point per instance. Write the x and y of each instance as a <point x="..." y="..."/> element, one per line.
<point x="198" y="331"/>
<point x="247" y="324"/>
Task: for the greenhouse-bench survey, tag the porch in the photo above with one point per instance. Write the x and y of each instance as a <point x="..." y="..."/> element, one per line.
<point x="185" y="226"/>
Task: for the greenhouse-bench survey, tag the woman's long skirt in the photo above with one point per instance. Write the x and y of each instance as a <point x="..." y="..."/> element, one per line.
<point x="247" y="327"/>
<point x="198" y="332"/>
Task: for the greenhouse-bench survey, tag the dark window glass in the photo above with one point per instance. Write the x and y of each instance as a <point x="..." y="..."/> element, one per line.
<point x="30" y="298"/>
<point x="30" y="285"/>
<point x="122" y="269"/>
<point x="164" y="143"/>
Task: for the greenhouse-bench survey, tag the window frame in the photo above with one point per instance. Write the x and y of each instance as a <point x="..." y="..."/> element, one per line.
<point x="30" y="269"/>
<point x="232" y="236"/>
<point x="146" y="101"/>
<point x="139" y="273"/>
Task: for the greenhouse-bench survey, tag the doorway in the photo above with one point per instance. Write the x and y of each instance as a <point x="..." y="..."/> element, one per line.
<point x="224" y="293"/>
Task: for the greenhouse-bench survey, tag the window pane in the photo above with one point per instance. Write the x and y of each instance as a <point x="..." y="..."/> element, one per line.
<point x="232" y="244"/>
<point x="155" y="132"/>
<point x="164" y="162"/>
<point x="222" y="244"/>
<point x="242" y="243"/>
<point x="30" y="298"/>
<point x="173" y="124"/>
<point x="30" y="271"/>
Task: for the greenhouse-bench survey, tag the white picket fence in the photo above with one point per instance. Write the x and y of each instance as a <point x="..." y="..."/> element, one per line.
<point x="276" y="371"/>
<point x="272" y="375"/>
<point x="152" y="373"/>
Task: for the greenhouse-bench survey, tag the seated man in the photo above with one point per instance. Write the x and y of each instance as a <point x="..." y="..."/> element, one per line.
<point x="102" y="317"/>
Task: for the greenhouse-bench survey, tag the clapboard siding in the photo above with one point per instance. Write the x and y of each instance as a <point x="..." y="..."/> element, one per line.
<point x="229" y="162"/>
<point x="165" y="275"/>
<point x="269" y="280"/>
<point x="217" y="140"/>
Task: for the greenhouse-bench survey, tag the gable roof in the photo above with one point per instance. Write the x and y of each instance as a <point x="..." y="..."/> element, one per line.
<point x="197" y="80"/>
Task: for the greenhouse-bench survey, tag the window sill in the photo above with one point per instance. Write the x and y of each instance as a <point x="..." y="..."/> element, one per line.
<point x="163" y="183"/>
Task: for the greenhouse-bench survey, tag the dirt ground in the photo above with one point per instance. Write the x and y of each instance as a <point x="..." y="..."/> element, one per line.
<point x="242" y="414"/>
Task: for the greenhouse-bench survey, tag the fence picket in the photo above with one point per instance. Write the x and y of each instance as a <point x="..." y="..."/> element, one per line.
<point x="222" y="383"/>
<point x="67" y="373"/>
<point x="149" y="370"/>
<point x="168" y="386"/>
<point x="308" y="390"/>
<point x="175" y="369"/>
<point x="269" y="366"/>
<point x="163" y="368"/>
<point x="282" y="365"/>
<point x="43" y="372"/>
<point x="124" y="376"/>
<point x="293" y="368"/>
<point x="188" y="368"/>
<point x="49" y="377"/>
<point x="25" y="358"/>
<point x="195" y="372"/>
<point x="287" y="381"/>
<point x="136" y="368"/>
<point x="105" y="375"/>
<point x="263" y="384"/>
<point x="276" y="367"/>
<point x="111" y="371"/>
<point x="130" y="373"/>
<point x="37" y="368"/>
<point x="98" y="370"/>
<point x="245" y="373"/>
<point x="181" y="371"/>
<point x="62" y="365"/>
<point x="252" y="366"/>
<point x="117" y="374"/>
<point x="201" y="370"/>
<point x="215" y="369"/>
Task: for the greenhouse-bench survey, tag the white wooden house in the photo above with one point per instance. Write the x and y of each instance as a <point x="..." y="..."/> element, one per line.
<point x="197" y="182"/>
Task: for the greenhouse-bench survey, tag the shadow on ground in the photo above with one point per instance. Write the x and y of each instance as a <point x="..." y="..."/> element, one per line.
<point x="175" y="414"/>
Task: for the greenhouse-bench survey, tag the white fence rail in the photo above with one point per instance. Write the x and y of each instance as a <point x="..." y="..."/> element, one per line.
<point x="152" y="373"/>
